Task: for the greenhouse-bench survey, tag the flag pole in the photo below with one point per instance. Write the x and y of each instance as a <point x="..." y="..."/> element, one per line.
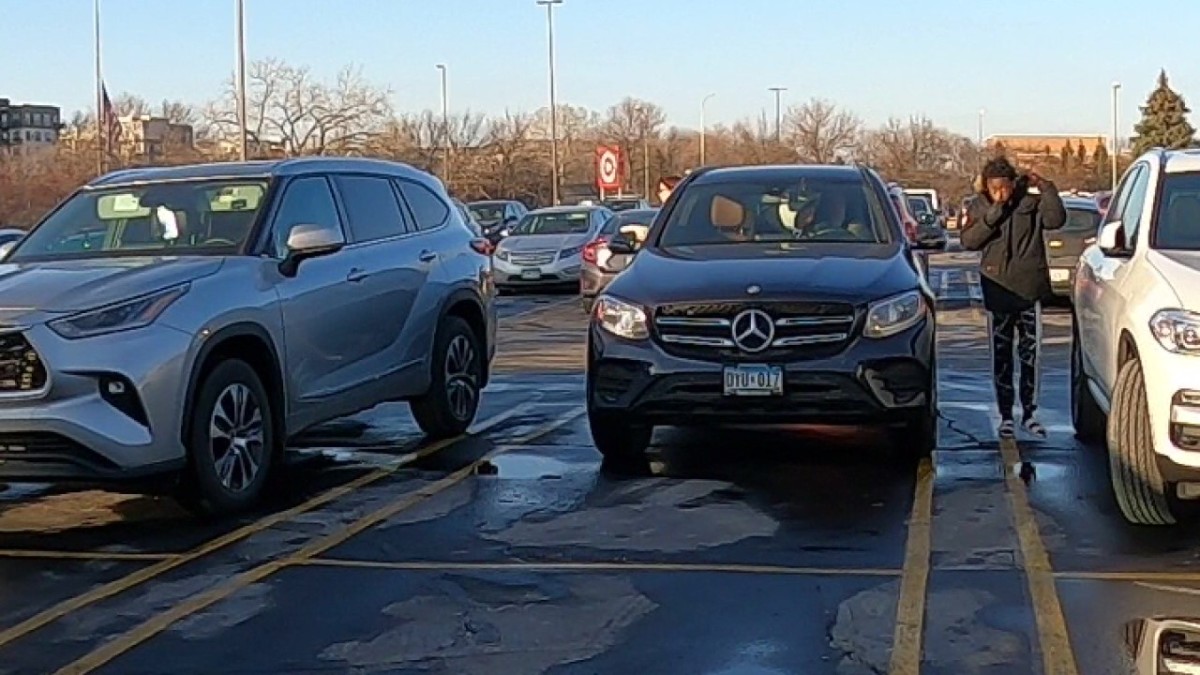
<point x="100" y="144"/>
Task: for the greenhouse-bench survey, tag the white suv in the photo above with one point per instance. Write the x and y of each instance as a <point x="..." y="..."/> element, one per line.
<point x="1135" y="359"/>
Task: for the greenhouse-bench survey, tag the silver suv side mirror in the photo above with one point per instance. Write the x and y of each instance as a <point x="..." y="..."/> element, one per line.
<point x="7" y="248"/>
<point x="307" y="241"/>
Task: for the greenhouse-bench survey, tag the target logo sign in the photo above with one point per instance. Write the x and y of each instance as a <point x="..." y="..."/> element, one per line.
<point x="608" y="168"/>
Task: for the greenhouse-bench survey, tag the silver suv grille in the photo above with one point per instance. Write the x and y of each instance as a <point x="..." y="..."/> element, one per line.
<point x="21" y="369"/>
<point x="798" y="329"/>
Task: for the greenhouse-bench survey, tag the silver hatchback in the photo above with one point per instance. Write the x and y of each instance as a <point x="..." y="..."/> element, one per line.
<point x="546" y="247"/>
<point x="187" y="321"/>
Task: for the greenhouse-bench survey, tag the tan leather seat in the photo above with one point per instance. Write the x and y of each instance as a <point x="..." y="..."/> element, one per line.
<point x="727" y="215"/>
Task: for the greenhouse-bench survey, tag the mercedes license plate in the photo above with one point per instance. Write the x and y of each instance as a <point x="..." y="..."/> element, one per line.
<point x="1060" y="275"/>
<point x="531" y="274"/>
<point x="753" y="380"/>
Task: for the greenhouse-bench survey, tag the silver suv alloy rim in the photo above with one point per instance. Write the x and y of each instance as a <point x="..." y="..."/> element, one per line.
<point x="461" y="387"/>
<point x="236" y="437"/>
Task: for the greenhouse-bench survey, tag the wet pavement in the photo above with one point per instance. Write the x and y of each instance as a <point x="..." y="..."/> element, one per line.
<point x="515" y="550"/>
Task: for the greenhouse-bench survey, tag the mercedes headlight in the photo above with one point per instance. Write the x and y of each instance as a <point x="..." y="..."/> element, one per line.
<point x="570" y="252"/>
<point x="1177" y="330"/>
<point x="621" y="318"/>
<point x="128" y="315"/>
<point x="894" y="315"/>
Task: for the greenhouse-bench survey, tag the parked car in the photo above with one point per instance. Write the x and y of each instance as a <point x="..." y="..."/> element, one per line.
<point x="908" y="219"/>
<point x="546" y="247"/>
<point x="742" y="309"/>
<point x="600" y="265"/>
<point x="1064" y="245"/>
<point x="931" y="227"/>
<point x="497" y="216"/>
<point x="1135" y="359"/>
<point x="468" y="218"/>
<point x="626" y="203"/>
<point x="10" y="234"/>
<point x="219" y="310"/>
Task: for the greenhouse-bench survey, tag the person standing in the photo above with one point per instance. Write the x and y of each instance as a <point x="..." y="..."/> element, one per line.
<point x="666" y="185"/>
<point x="1006" y="224"/>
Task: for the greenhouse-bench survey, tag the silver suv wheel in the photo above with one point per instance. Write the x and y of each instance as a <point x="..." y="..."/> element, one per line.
<point x="236" y="437"/>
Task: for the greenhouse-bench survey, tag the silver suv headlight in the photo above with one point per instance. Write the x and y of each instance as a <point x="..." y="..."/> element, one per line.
<point x="128" y="315"/>
<point x="621" y="318"/>
<point x="1177" y="330"/>
<point x="894" y="315"/>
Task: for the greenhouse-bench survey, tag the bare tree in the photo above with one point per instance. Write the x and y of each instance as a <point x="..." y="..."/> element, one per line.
<point x="820" y="132"/>
<point x="286" y="105"/>
<point x="631" y="123"/>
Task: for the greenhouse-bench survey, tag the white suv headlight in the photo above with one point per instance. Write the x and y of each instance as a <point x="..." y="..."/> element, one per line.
<point x="127" y="315"/>
<point x="621" y="318"/>
<point x="894" y="315"/>
<point x="1177" y="330"/>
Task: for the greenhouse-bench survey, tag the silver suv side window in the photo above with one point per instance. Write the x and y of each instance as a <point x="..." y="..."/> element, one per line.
<point x="306" y="201"/>
<point x="371" y="207"/>
<point x="428" y="208"/>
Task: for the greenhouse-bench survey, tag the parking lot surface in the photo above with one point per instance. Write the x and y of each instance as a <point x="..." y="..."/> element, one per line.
<point x="514" y="550"/>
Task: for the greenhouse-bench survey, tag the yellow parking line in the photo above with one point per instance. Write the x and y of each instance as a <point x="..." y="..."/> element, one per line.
<point x="540" y="308"/>
<point x="598" y="567"/>
<point x="133" y="579"/>
<point x="1185" y="577"/>
<point x="910" y="607"/>
<point x="85" y="555"/>
<point x="160" y="622"/>
<point x="1057" y="656"/>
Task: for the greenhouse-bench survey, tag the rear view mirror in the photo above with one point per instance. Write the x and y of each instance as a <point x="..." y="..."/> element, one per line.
<point x="1112" y="238"/>
<point x="307" y="241"/>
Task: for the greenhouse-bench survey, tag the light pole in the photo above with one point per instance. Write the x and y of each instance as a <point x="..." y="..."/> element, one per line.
<point x="703" y="126"/>
<point x="550" y="4"/>
<point x="445" y="127"/>
<point x="1116" y="145"/>
<point x="243" y="146"/>
<point x="982" y="113"/>
<point x="101" y="112"/>
<point x="778" y="113"/>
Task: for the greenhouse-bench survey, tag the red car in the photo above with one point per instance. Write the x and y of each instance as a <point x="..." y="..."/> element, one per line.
<point x="900" y="201"/>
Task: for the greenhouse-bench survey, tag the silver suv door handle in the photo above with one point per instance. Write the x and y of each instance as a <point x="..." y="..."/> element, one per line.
<point x="356" y="275"/>
<point x="427" y="256"/>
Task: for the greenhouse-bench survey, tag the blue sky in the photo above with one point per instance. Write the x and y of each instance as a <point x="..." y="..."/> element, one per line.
<point x="1035" y="66"/>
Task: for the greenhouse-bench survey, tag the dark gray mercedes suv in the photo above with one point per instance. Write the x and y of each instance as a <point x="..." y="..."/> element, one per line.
<point x="766" y="295"/>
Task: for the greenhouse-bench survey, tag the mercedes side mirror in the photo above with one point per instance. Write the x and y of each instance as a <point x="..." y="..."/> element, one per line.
<point x="1112" y="239"/>
<point x="307" y="241"/>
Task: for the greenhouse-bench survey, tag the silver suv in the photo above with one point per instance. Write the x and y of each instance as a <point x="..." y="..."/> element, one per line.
<point x="188" y="321"/>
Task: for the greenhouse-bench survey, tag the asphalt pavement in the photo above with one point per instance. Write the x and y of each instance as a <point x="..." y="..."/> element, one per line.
<point x="514" y="550"/>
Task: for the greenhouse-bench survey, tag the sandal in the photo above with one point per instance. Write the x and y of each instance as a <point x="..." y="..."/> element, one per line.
<point x="1006" y="430"/>
<point x="1034" y="427"/>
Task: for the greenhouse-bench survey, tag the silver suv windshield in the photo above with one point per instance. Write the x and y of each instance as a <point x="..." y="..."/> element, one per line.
<point x="170" y="218"/>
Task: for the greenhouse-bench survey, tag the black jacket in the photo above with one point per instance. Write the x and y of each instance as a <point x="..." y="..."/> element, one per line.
<point x="1013" y="269"/>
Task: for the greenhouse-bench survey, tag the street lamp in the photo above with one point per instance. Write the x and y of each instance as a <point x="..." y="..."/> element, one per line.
<point x="445" y="127"/>
<point x="703" y="126"/>
<point x="643" y="125"/>
<point x="982" y="113"/>
<point x="549" y="5"/>
<point x="778" y="112"/>
<point x="243" y="146"/>
<point x="1116" y="146"/>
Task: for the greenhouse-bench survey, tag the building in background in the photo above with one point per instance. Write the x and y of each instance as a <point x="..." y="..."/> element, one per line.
<point x="146" y="138"/>
<point x="26" y="127"/>
<point x="1037" y="146"/>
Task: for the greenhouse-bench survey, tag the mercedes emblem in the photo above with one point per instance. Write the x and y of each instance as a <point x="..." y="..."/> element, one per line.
<point x="753" y="331"/>
<point x="754" y="289"/>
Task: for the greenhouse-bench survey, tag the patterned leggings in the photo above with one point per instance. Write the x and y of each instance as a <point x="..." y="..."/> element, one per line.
<point x="1025" y="327"/>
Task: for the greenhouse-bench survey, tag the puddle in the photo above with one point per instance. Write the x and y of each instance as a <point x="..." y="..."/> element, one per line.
<point x="531" y="467"/>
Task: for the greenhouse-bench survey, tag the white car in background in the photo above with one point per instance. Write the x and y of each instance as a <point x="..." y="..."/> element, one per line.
<point x="1135" y="359"/>
<point x="546" y="247"/>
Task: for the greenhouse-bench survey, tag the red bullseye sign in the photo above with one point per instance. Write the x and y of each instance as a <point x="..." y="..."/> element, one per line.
<point x="608" y="168"/>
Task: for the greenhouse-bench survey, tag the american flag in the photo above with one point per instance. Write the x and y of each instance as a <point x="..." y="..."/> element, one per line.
<point x="109" y="121"/>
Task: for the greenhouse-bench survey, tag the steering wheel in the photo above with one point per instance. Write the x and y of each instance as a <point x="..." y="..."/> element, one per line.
<point x="220" y="241"/>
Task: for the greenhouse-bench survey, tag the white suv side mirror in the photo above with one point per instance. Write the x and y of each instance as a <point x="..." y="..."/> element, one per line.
<point x="1112" y="238"/>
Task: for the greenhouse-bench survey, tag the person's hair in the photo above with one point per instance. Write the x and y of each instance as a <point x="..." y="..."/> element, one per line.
<point x="669" y="181"/>
<point x="999" y="167"/>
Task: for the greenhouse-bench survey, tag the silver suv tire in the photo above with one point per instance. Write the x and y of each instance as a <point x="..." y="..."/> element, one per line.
<point x="449" y="406"/>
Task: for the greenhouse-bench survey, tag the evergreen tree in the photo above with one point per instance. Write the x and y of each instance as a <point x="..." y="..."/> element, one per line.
<point x="1065" y="154"/>
<point x="1164" y="120"/>
<point x="1100" y="156"/>
<point x="1081" y="154"/>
